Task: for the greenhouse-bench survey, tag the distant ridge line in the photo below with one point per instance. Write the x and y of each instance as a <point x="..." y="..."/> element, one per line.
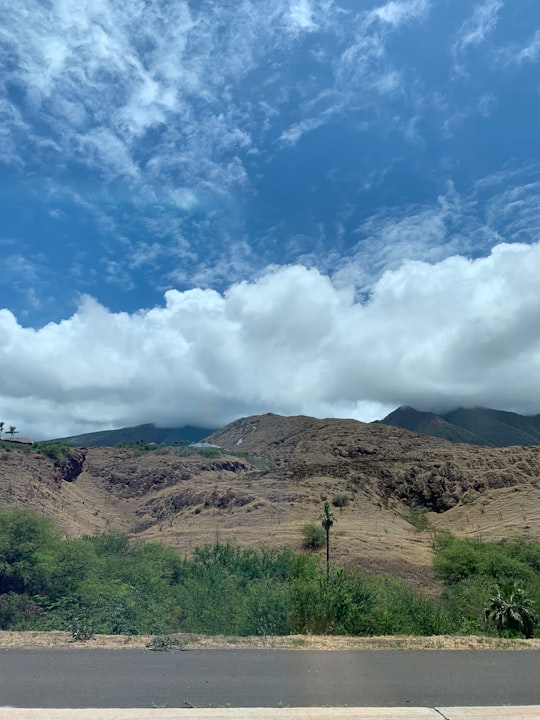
<point x="147" y="433"/>
<point x="474" y="426"/>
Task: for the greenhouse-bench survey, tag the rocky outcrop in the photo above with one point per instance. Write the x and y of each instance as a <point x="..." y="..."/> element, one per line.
<point x="70" y="466"/>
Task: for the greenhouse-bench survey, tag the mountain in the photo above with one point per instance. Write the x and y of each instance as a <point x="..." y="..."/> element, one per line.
<point x="273" y="475"/>
<point x="148" y="433"/>
<point x="477" y="426"/>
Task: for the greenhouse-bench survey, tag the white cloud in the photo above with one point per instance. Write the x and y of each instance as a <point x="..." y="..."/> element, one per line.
<point x="104" y="75"/>
<point x="150" y="92"/>
<point x="293" y="134"/>
<point x="486" y="104"/>
<point x="459" y="331"/>
<point x="530" y="52"/>
<point x="366" y="71"/>
<point x="428" y="233"/>
<point x="515" y="209"/>
<point x="301" y="15"/>
<point x="24" y="276"/>
<point x="503" y="207"/>
<point x="398" y="12"/>
<point x="475" y="30"/>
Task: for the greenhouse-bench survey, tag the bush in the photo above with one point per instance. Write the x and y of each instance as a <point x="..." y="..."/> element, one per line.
<point x="81" y="630"/>
<point x="396" y="609"/>
<point x="18" y="612"/>
<point x="113" y="609"/>
<point x="460" y="559"/>
<point x="340" y="500"/>
<point x="28" y="549"/>
<point x="314" y="537"/>
<point x="163" y="643"/>
<point x="338" y="604"/>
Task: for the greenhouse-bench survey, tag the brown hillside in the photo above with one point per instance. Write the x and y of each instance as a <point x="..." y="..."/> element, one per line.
<point x="290" y="467"/>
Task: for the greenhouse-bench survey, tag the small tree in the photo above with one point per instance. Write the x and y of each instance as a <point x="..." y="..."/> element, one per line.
<point x="12" y="431"/>
<point x="1" y="428"/>
<point x="511" y="609"/>
<point x="327" y="522"/>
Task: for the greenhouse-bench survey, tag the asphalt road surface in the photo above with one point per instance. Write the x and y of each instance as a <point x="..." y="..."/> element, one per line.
<point x="266" y="678"/>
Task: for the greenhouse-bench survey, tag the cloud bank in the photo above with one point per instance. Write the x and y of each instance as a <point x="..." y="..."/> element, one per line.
<point x="458" y="332"/>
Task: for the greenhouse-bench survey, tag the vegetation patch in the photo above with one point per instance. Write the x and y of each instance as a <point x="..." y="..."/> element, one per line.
<point x="486" y="585"/>
<point x="138" y="447"/>
<point x="418" y="518"/>
<point x="53" y="451"/>
<point x="164" y="643"/>
<point x="105" y="584"/>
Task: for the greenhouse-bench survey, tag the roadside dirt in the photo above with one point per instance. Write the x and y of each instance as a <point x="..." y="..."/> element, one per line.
<point x="56" y="639"/>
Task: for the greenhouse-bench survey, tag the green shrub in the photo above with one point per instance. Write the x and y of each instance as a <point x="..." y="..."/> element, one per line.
<point x="399" y="610"/>
<point x="28" y="549"/>
<point x="461" y="559"/>
<point x="112" y="609"/>
<point x="81" y="629"/>
<point x="18" y="612"/>
<point x="56" y="452"/>
<point x="314" y="537"/>
<point x="340" y="500"/>
<point x="339" y="604"/>
<point x="163" y="643"/>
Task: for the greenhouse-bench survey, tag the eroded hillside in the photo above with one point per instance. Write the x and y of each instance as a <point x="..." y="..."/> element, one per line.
<point x="273" y="476"/>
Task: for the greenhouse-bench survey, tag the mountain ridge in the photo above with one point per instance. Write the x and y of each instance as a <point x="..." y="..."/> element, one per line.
<point x="147" y="432"/>
<point x="475" y="426"/>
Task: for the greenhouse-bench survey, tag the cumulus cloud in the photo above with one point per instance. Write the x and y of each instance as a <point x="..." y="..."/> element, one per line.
<point x="457" y="332"/>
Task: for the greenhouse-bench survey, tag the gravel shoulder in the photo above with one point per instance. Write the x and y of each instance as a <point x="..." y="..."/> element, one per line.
<point x="57" y="639"/>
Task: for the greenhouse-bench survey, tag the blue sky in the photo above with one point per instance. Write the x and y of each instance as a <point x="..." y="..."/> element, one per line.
<point x="213" y="209"/>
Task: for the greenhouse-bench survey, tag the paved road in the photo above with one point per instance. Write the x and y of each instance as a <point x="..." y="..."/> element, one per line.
<point x="254" y="678"/>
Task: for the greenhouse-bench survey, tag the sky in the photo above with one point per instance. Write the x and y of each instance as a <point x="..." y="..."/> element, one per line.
<point x="218" y="208"/>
